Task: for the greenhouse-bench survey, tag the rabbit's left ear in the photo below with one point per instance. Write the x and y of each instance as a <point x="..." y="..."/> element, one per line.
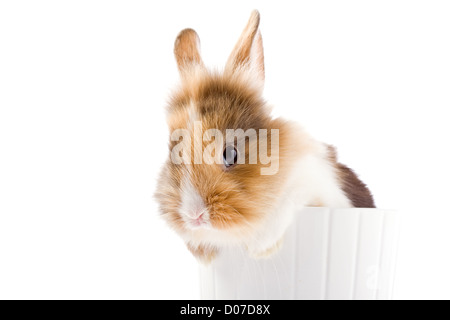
<point x="248" y="51"/>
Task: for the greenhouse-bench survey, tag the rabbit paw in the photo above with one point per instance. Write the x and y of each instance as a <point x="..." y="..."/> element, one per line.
<point x="265" y="252"/>
<point x="203" y="254"/>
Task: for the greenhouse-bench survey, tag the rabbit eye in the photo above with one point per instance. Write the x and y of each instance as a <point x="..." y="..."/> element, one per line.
<point x="230" y="156"/>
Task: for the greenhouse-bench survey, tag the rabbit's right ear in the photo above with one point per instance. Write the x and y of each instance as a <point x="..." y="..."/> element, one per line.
<point x="187" y="51"/>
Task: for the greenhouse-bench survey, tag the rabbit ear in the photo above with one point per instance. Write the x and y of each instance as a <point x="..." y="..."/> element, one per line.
<point x="248" y="51"/>
<point x="187" y="50"/>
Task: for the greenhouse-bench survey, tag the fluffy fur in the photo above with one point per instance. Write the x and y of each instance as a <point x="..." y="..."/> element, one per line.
<point x="211" y="206"/>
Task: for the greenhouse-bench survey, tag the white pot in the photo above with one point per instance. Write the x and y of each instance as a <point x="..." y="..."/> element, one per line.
<point x="326" y="254"/>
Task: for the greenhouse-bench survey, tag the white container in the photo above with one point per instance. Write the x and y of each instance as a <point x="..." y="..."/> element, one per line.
<point x="326" y="254"/>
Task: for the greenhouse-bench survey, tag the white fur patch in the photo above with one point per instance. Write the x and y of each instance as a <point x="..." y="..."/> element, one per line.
<point x="318" y="184"/>
<point x="313" y="182"/>
<point x="192" y="206"/>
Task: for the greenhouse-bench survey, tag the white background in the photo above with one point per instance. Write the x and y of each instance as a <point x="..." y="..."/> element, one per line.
<point x="83" y="85"/>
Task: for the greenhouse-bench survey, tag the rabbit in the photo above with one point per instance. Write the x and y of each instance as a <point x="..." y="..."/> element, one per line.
<point x="230" y="202"/>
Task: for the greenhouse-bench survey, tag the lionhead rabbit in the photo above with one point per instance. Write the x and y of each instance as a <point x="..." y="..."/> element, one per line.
<point x="218" y="189"/>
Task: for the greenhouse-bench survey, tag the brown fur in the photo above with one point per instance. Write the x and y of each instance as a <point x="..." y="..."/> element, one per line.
<point x="356" y="190"/>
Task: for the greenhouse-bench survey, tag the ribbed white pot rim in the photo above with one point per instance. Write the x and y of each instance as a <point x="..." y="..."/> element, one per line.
<point x="327" y="253"/>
